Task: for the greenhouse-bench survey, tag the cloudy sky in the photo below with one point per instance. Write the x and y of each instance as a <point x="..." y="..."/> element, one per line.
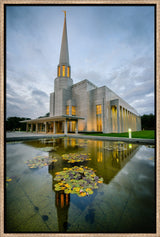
<point x="108" y="45"/>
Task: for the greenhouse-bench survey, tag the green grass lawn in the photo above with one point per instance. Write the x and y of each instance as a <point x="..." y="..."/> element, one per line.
<point x="146" y="134"/>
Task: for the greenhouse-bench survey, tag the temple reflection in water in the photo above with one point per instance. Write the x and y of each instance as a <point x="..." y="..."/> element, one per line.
<point x="107" y="159"/>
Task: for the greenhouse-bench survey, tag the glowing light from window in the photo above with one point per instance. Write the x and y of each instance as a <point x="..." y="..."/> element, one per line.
<point x="68" y="71"/>
<point x="59" y="71"/>
<point x="99" y="117"/>
<point x="63" y="71"/>
<point x="67" y="110"/>
<point x="98" y="109"/>
<point x="73" y="110"/>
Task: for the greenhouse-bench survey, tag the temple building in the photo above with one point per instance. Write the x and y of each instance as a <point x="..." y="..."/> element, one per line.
<point x="83" y="107"/>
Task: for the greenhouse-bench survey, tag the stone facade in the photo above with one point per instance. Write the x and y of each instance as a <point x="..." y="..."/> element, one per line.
<point x="83" y="106"/>
<point x="116" y="114"/>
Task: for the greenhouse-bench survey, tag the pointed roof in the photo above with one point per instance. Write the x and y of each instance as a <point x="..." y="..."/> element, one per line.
<point x="64" y="55"/>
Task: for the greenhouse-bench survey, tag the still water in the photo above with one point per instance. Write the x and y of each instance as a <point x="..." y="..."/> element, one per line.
<point x="114" y="191"/>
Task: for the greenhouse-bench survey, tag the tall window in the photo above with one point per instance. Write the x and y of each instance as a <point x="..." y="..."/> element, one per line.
<point x="63" y="71"/>
<point x="67" y="110"/>
<point x="73" y="110"/>
<point x="98" y="109"/>
<point x="99" y="117"/>
<point x="114" y="119"/>
<point x="68" y="71"/>
<point x="59" y="71"/>
<point x="73" y="126"/>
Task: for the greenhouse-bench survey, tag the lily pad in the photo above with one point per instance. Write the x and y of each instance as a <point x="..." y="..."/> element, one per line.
<point x="40" y="161"/>
<point x="76" y="157"/>
<point x="77" y="180"/>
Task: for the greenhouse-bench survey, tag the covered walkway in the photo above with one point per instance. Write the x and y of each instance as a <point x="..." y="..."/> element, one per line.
<point x="53" y="125"/>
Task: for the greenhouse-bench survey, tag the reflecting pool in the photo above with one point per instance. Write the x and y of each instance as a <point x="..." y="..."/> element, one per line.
<point x="81" y="186"/>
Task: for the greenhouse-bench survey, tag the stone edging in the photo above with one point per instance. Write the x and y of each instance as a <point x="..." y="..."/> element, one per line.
<point x="128" y="140"/>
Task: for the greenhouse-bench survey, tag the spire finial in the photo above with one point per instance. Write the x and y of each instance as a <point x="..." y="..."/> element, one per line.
<point x="64" y="13"/>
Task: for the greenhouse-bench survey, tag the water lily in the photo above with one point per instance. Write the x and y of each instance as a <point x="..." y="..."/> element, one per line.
<point x="74" y="157"/>
<point x="40" y="161"/>
<point x="78" y="180"/>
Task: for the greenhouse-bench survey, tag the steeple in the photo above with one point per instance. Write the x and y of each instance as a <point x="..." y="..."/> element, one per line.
<point x="63" y="66"/>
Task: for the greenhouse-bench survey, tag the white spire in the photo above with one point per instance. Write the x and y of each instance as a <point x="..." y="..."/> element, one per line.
<point x="64" y="55"/>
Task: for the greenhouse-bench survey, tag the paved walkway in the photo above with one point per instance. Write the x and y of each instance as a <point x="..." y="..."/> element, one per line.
<point x="21" y="136"/>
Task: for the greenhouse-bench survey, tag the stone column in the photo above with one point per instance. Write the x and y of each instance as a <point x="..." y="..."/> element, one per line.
<point x="130" y="120"/>
<point x="111" y="119"/>
<point x="36" y="127"/>
<point x="65" y="127"/>
<point x="31" y="127"/>
<point x="124" y="120"/>
<point x="121" y="119"/>
<point x="27" y="127"/>
<point x="118" y="127"/>
<point x="76" y="130"/>
<point x="54" y="127"/>
<point x="45" y="123"/>
<point x="127" y="120"/>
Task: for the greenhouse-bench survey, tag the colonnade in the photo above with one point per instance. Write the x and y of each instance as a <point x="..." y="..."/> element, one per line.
<point x="122" y="119"/>
<point x="54" y="127"/>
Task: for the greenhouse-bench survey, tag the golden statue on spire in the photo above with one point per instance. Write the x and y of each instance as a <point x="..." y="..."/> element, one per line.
<point x="64" y="13"/>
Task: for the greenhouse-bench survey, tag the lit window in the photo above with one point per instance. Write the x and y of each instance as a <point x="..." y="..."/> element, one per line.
<point x="59" y="71"/>
<point x="98" y="109"/>
<point x="67" y="110"/>
<point x="99" y="123"/>
<point x="67" y="71"/>
<point x="99" y="117"/>
<point x="73" y="127"/>
<point x="63" y="71"/>
<point x="73" y="110"/>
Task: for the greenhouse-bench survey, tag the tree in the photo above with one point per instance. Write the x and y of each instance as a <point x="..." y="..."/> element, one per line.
<point x="148" y="122"/>
<point x="46" y="115"/>
<point x="13" y="123"/>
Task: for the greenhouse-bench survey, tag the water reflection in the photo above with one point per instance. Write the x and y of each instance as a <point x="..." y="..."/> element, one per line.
<point x="62" y="202"/>
<point x="107" y="159"/>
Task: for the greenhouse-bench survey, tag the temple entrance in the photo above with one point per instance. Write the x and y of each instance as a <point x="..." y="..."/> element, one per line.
<point x="50" y="127"/>
<point x="71" y="126"/>
<point x="59" y="127"/>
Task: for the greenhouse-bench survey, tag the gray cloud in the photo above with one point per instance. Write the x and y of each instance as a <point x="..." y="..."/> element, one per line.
<point x="110" y="46"/>
<point x="34" y="104"/>
<point x="39" y="93"/>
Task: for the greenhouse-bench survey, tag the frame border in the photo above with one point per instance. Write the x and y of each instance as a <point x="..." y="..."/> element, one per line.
<point x="2" y="108"/>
